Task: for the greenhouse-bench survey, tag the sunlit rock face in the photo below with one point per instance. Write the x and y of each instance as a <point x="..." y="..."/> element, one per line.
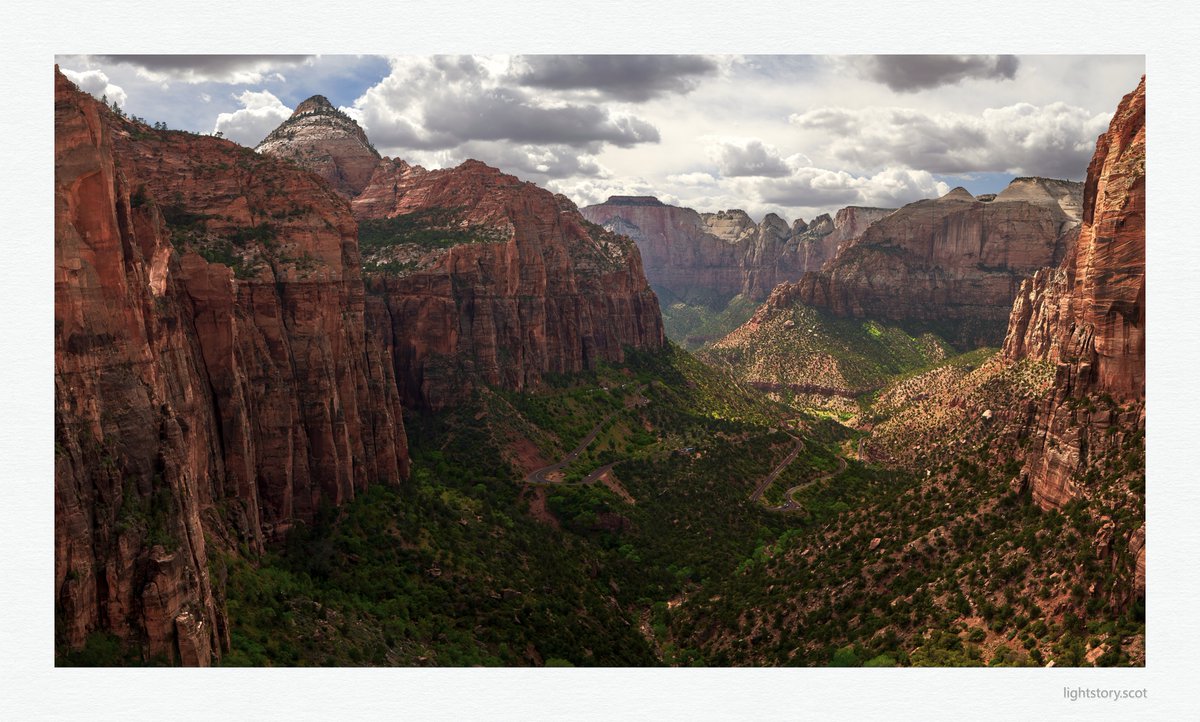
<point x="954" y="261"/>
<point x="1087" y="316"/>
<point x="326" y="141"/>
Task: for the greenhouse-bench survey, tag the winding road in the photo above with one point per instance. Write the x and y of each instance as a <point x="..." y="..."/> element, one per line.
<point x="770" y="478"/>
<point x="790" y="504"/>
<point x="538" y="476"/>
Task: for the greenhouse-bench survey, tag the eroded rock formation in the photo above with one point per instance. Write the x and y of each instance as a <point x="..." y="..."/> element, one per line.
<point x="484" y="277"/>
<point x="326" y="141"/>
<point x="955" y="261"/>
<point x="214" y="379"/>
<point x="711" y="257"/>
<point x="1087" y="317"/>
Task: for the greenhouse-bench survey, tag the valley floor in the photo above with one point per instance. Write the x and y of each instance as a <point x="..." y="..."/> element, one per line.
<point x="662" y="512"/>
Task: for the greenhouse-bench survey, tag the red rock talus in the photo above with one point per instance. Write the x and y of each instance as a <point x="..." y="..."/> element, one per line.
<point x="954" y="260"/>
<point x="1087" y="317"/>
<point x="539" y="291"/>
<point x="326" y="141"/>
<point x="213" y="373"/>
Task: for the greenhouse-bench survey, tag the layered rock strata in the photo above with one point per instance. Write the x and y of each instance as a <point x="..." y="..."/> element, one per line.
<point x="954" y="262"/>
<point x="214" y="378"/>
<point x="711" y="257"/>
<point x="1087" y="317"/>
<point x="483" y="277"/>
<point x="326" y="141"/>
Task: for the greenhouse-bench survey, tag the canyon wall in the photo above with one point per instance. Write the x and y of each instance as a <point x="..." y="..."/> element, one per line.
<point x="710" y="257"/>
<point x="954" y="263"/>
<point x="214" y="378"/>
<point x="1087" y="317"/>
<point x="473" y="275"/>
<point x="528" y="287"/>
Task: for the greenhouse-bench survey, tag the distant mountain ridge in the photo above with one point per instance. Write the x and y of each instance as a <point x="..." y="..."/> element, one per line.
<point x="711" y="257"/>
<point x="953" y="260"/>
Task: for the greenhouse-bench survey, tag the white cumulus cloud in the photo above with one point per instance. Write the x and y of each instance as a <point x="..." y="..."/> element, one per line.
<point x="819" y="188"/>
<point x="261" y="112"/>
<point x="748" y="157"/>
<point x="1054" y="140"/>
<point x="95" y="82"/>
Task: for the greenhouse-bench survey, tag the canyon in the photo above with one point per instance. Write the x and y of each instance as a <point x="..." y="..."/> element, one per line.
<point x="711" y="257"/>
<point x="224" y="367"/>
<point x="307" y="398"/>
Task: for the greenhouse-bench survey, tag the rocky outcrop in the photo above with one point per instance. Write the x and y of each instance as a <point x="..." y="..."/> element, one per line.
<point x="711" y="257"/>
<point x="1087" y="318"/>
<point x="953" y="262"/>
<point x="818" y="244"/>
<point x="214" y="378"/>
<point x="326" y="141"/>
<point x="483" y="277"/>
<point x="683" y="259"/>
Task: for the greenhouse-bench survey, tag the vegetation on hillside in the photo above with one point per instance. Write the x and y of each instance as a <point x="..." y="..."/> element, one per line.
<point x="668" y="561"/>
<point x="695" y="325"/>
<point x="803" y="348"/>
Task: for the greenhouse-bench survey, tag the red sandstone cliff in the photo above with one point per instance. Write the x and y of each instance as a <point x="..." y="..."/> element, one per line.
<point x="682" y="256"/>
<point x="519" y="286"/>
<point x="214" y="379"/>
<point x="955" y="260"/>
<point x="1087" y="317"/>
<point x="326" y="141"/>
<point x="705" y="257"/>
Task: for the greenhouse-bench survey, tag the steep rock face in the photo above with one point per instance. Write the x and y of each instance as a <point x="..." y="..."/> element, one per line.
<point x="326" y="141"/>
<point x="711" y="257"/>
<point x="824" y="237"/>
<point x="682" y="257"/>
<point x="1087" y="317"/>
<point x="953" y="260"/>
<point x="485" y="277"/>
<point x="213" y="375"/>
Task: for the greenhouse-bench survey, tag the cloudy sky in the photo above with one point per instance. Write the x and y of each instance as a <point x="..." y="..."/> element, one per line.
<point x="796" y="135"/>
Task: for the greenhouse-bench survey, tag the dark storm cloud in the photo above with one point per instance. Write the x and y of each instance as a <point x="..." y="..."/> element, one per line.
<point x="503" y="114"/>
<point x="910" y="73"/>
<point x="440" y="102"/>
<point x="632" y="78"/>
<point x="750" y="159"/>
<point x="202" y="68"/>
<point x="507" y="114"/>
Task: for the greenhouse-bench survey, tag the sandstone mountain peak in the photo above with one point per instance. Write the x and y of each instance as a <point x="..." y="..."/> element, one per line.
<point x="958" y="193"/>
<point x="1066" y="195"/>
<point x="950" y="259"/>
<point x="633" y="201"/>
<point x="326" y="141"/>
<point x="315" y="104"/>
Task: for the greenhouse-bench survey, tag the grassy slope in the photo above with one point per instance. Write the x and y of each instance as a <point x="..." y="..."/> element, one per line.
<point x="694" y="325"/>
<point x="808" y="347"/>
<point x="953" y="566"/>
<point x="457" y="568"/>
